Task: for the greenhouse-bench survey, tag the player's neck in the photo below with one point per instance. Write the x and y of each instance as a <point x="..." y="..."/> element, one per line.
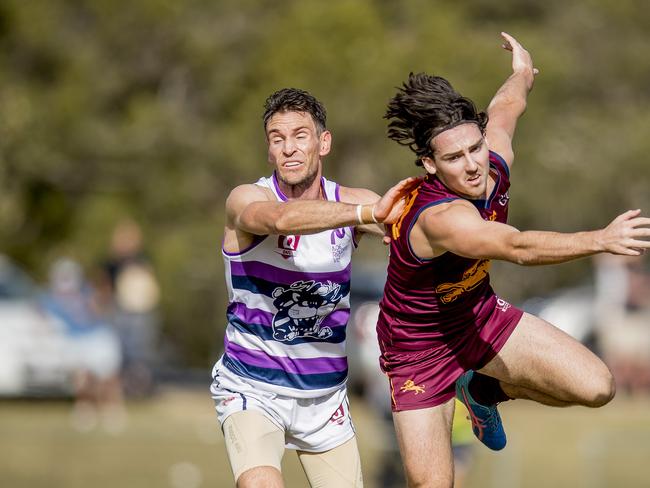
<point x="491" y="183"/>
<point x="307" y="190"/>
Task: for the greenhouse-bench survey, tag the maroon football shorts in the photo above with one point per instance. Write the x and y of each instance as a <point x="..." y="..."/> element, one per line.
<point x="426" y="377"/>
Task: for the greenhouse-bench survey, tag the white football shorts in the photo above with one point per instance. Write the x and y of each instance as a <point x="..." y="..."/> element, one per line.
<point x="310" y="424"/>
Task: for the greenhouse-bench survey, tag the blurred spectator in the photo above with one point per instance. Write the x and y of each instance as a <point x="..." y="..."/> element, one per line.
<point x="94" y="353"/>
<point x="133" y="295"/>
<point x="623" y="319"/>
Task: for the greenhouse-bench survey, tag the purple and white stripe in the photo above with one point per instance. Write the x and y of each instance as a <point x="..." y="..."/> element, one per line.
<point x="274" y="274"/>
<point x="261" y="359"/>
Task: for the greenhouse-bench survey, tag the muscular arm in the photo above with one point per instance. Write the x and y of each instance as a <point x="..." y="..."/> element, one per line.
<point x="509" y="102"/>
<point x="251" y="209"/>
<point x="386" y="214"/>
<point x="361" y="195"/>
<point x="459" y="228"/>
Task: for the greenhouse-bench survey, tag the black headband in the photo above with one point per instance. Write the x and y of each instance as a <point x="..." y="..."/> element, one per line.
<point x="444" y="128"/>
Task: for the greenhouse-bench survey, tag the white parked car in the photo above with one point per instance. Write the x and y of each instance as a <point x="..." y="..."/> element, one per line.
<point x="33" y="346"/>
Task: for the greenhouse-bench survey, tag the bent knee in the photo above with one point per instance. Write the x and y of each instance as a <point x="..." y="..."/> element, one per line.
<point x="602" y="391"/>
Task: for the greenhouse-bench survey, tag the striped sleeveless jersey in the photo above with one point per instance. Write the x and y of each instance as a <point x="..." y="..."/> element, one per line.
<point x="289" y="304"/>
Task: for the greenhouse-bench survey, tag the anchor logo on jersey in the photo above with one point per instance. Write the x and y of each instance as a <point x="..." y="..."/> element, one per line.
<point x="287" y="246"/>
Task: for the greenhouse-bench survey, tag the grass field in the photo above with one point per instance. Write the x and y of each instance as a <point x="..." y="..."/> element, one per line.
<point x="173" y="441"/>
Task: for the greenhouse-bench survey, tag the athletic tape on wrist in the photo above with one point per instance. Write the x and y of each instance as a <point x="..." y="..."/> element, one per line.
<point x="359" y="214"/>
<point x="373" y="215"/>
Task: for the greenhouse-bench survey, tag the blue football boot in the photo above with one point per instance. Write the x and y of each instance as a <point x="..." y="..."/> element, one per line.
<point x="486" y="422"/>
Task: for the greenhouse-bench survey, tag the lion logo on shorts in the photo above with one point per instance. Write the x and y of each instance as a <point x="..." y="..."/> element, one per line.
<point x="409" y="385"/>
<point x="302" y="307"/>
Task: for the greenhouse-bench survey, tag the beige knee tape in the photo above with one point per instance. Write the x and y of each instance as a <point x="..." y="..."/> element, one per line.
<point x="252" y="440"/>
<point x="337" y="468"/>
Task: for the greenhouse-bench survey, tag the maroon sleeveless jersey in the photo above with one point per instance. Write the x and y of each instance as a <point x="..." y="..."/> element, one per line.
<point x="440" y="317"/>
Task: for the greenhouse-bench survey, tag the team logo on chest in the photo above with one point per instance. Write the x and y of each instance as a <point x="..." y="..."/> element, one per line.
<point x="472" y="277"/>
<point x="302" y="307"/>
<point x="287" y="246"/>
<point x="503" y="199"/>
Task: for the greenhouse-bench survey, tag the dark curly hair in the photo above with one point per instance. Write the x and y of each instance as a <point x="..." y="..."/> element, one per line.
<point x="425" y="106"/>
<point x="295" y="100"/>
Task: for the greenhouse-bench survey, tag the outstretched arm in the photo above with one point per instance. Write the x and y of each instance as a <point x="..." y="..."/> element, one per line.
<point x="249" y="210"/>
<point x="460" y="229"/>
<point x="509" y="102"/>
<point x="361" y="195"/>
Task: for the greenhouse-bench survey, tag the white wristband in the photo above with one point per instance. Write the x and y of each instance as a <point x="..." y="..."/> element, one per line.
<point x="373" y="215"/>
<point x="359" y="214"/>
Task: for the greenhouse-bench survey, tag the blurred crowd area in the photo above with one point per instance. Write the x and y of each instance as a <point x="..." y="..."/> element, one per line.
<point x="90" y="333"/>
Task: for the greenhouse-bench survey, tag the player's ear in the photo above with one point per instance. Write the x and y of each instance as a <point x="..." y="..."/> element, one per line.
<point x="269" y="156"/>
<point x="325" y="143"/>
<point x="428" y="164"/>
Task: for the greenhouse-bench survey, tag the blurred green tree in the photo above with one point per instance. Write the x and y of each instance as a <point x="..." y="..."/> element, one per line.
<point x="153" y="109"/>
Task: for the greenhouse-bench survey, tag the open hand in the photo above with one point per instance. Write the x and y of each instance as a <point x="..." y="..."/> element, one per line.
<point x="624" y="235"/>
<point x="391" y="206"/>
<point x="521" y="59"/>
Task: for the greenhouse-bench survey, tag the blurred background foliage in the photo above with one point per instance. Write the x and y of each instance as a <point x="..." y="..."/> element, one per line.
<point x="152" y="109"/>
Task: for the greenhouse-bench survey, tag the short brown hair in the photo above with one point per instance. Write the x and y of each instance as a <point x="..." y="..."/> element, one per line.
<point x="295" y="100"/>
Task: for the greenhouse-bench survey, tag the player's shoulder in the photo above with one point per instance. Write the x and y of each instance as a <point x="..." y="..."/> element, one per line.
<point x="454" y="213"/>
<point x="450" y="207"/>
<point x="502" y="160"/>
<point x="249" y="192"/>
<point x="357" y="195"/>
<point x="243" y="195"/>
